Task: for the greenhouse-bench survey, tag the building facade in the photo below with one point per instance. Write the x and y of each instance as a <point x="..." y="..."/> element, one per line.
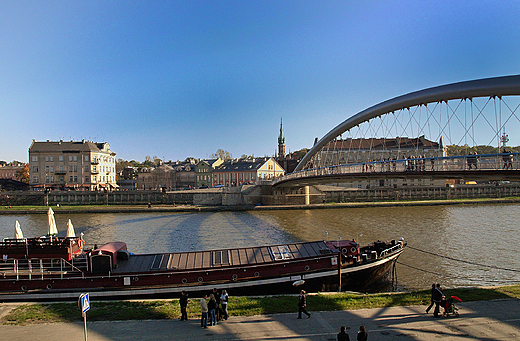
<point x="204" y="172"/>
<point x="10" y="171"/>
<point x="249" y="171"/>
<point x="168" y="176"/>
<point x="81" y="165"/>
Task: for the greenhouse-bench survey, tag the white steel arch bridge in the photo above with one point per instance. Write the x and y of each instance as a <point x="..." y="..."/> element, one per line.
<point x="457" y="130"/>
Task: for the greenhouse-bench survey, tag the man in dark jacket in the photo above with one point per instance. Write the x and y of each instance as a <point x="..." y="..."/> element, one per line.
<point x="437" y="298"/>
<point x="184" y="304"/>
<point x="302" y="303"/>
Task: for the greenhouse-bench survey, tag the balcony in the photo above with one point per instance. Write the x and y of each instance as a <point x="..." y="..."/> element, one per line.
<point x="60" y="172"/>
<point x="95" y="162"/>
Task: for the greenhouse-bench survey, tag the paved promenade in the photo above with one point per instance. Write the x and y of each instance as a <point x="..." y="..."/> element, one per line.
<point x="490" y="320"/>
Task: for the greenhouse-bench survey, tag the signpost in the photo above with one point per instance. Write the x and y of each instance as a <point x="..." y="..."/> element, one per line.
<point x="84" y="304"/>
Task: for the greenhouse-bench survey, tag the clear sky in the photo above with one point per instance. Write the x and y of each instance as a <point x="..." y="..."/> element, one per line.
<point x="175" y="79"/>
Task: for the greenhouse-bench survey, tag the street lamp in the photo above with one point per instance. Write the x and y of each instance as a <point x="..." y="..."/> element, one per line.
<point x="359" y="235"/>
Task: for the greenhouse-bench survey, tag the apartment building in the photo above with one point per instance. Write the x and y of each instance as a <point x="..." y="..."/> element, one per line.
<point x="84" y="165"/>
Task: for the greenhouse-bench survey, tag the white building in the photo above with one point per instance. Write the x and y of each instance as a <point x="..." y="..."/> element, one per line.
<point x="72" y="165"/>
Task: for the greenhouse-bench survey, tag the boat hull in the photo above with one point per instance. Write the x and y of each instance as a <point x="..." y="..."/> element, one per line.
<point x="312" y="275"/>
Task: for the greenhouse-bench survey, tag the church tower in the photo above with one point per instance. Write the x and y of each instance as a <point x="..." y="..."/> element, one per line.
<point x="281" y="143"/>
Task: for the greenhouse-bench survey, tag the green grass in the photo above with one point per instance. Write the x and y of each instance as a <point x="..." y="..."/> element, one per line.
<point x="238" y="306"/>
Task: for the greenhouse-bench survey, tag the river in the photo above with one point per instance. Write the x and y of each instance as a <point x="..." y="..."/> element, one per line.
<point x="485" y="236"/>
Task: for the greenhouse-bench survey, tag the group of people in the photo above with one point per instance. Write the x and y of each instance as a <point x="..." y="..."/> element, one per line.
<point x="212" y="310"/>
<point x="436" y="297"/>
<point x="215" y="309"/>
<point x="362" y="335"/>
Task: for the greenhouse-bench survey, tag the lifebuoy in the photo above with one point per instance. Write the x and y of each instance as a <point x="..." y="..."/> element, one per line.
<point x="353" y="249"/>
<point x="344" y="251"/>
<point x="81" y="243"/>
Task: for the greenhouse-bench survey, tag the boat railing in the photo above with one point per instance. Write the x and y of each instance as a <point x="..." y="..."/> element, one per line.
<point x="40" y="267"/>
<point x="391" y="250"/>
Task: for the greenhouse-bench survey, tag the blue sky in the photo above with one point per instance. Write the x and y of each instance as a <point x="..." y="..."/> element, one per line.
<point x="175" y="79"/>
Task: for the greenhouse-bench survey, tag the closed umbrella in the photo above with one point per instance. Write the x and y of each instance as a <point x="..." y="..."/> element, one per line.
<point x="52" y="223"/>
<point x="18" y="234"/>
<point x="70" y="230"/>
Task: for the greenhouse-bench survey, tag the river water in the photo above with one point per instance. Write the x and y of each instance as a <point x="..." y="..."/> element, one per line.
<point x="484" y="236"/>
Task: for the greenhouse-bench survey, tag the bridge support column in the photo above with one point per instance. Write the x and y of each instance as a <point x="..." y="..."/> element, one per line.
<point x="307" y="192"/>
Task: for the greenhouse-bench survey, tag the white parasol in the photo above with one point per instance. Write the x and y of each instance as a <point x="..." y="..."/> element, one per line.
<point x="52" y="223"/>
<point x="70" y="230"/>
<point x="18" y="234"/>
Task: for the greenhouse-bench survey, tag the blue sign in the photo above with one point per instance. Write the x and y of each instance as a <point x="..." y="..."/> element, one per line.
<point x="85" y="304"/>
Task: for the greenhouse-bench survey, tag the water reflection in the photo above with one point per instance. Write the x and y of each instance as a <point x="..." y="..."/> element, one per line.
<point x="483" y="234"/>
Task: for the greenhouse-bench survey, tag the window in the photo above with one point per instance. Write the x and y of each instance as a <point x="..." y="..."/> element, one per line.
<point x="85" y="158"/>
<point x="52" y="158"/>
<point x="52" y="169"/>
<point x="70" y="158"/>
<point x="70" y="168"/>
<point x="35" y="169"/>
<point x="47" y="159"/>
<point x="35" y="179"/>
<point x="280" y="252"/>
<point x="75" y="158"/>
<point x="70" y="178"/>
<point x="87" y="168"/>
<point x="86" y="179"/>
<point x="34" y="158"/>
<point x="47" y="169"/>
<point x="60" y="158"/>
<point x="52" y="179"/>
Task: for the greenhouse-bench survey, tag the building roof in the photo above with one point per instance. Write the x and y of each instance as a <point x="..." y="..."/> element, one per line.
<point x="241" y="165"/>
<point x="66" y="146"/>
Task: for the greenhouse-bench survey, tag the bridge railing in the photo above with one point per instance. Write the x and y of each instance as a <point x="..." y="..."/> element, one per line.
<point x="500" y="161"/>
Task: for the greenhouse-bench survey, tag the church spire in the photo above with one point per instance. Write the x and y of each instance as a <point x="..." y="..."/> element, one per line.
<point x="281" y="142"/>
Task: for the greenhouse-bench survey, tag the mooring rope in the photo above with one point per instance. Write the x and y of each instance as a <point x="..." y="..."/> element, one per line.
<point x="458" y="277"/>
<point x="463" y="261"/>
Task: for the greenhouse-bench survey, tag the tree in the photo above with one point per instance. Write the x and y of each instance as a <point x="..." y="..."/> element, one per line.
<point x="299" y="154"/>
<point x="23" y="174"/>
<point x="223" y="154"/>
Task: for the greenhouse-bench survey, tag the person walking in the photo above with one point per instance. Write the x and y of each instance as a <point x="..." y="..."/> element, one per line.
<point x="302" y="303"/>
<point x="342" y="335"/>
<point x="437" y="298"/>
<point x="224" y="302"/>
<point x="362" y="335"/>
<point x="431" y="299"/>
<point x="184" y="305"/>
<point x="204" y="312"/>
<point x="212" y="308"/>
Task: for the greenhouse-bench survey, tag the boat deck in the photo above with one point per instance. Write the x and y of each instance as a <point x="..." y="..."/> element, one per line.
<point x="220" y="258"/>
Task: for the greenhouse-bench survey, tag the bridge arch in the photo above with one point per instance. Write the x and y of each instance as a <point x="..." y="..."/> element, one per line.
<point x="487" y="87"/>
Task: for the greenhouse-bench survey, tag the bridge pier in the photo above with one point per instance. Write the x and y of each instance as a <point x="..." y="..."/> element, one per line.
<point x="307" y="193"/>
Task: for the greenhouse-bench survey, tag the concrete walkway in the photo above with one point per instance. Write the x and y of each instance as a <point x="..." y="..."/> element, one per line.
<point x="489" y="320"/>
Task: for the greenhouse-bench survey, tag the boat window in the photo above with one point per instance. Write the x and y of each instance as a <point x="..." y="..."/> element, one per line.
<point x="156" y="264"/>
<point x="220" y="257"/>
<point x="280" y="252"/>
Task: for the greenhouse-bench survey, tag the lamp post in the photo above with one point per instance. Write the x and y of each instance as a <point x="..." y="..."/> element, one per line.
<point x="359" y="235"/>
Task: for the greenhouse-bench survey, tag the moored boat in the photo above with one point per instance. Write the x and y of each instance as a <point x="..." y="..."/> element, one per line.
<point x="52" y="268"/>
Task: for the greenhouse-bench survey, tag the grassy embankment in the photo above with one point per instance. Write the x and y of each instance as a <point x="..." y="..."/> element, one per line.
<point x="238" y="306"/>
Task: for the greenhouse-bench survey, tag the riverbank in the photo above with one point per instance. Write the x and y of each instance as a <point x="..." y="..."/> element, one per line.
<point x="16" y="210"/>
<point x="37" y="313"/>
<point x="489" y="320"/>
